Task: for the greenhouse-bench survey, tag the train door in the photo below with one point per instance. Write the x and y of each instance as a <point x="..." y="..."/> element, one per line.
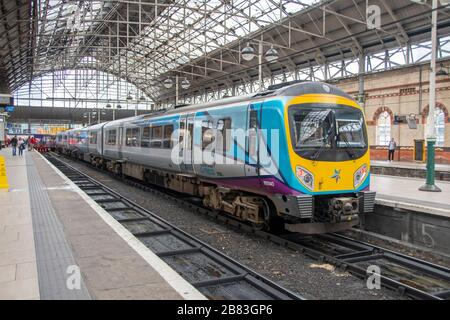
<point x="186" y="139"/>
<point x="120" y="142"/>
<point x="252" y="140"/>
<point x="181" y="142"/>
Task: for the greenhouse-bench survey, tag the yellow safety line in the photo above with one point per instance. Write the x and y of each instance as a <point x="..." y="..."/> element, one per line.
<point x="3" y="177"/>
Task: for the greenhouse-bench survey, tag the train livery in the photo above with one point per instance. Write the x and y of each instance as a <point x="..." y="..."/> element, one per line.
<point x="295" y="156"/>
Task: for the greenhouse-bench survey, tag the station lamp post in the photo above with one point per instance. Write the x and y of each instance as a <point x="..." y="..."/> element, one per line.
<point x="100" y="113"/>
<point x="130" y="100"/>
<point x="248" y="53"/>
<point x="92" y="114"/>
<point x="88" y="115"/>
<point x="117" y="106"/>
<point x="185" y="84"/>
<point x="429" y="185"/>
<point x="137" y="101"/>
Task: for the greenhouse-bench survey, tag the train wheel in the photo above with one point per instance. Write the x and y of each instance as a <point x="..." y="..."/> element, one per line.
<point x="259" y="226"/>
<point x="274" y="223"/>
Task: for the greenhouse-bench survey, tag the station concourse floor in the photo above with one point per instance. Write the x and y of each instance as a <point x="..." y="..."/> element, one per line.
<point x="48" y="231"/>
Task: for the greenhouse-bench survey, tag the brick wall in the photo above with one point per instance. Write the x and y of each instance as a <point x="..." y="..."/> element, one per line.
<point x="406" y="154"/>
<point x="403" y="92"/>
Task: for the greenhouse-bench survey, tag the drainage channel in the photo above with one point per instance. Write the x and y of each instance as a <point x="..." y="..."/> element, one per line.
<point x="214" y="274"/>
<point x="409" y="276"/>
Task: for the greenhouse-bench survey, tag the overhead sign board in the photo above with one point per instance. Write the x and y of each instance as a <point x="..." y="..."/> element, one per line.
<point x="6" y="99"/>
<point x="9" y="108"/>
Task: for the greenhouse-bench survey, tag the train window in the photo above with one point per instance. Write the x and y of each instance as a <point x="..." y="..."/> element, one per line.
<point x="120" y="136"/>
<point x="156" y="137"/>
<point x="253" y="122"/>
<point x="313" y="128"/>
<point x="93" y="137"/>
<point x="132" y="137"/>
<point x="208" y="135"/>
<point x="190" y="133"/>
<point x="167" y="142"/>
<point x="223" y="135"/>
<point x="182" y="126"/>
<point x="145" y="137"/>
<point x="252" y="134"/>
<point x="112" y="137"/>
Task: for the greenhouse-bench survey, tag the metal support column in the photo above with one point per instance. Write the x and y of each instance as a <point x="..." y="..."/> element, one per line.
<point x="431" y="130"/>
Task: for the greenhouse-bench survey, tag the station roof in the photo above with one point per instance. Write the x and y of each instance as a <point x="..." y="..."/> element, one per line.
<point x="147" y="41"/>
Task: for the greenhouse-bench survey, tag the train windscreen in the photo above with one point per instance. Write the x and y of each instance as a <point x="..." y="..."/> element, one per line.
<point x="327" y="132"/>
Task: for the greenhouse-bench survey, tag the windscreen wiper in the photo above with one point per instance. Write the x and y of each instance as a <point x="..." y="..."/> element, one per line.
<point x="348" y="149"/>
<point x="320" y="150"/>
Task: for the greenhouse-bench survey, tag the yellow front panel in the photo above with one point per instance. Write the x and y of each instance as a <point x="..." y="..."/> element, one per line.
<point x="328" y="176"/>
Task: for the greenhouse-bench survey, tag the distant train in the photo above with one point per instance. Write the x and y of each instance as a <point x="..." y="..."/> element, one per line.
<point x="295" y="156"/>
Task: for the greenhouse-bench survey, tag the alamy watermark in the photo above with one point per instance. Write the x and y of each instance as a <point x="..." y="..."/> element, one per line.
<point x="230" y="146"/>
<point x="373" y="16"/>
<point x="73" y="281"/>
<point x="373" y="277"/>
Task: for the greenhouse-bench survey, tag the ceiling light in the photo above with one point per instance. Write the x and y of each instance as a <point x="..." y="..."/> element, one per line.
<point x="185" y="84"/>
<point x="271" y="54"/>
<point x="129" y="97"/>
<point x="442" y="72"/>
<point x="248" y="53"/>
<point x="168" y="83"/>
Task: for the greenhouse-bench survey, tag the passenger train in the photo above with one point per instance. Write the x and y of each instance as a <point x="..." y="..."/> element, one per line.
<point x="295" y="156"/>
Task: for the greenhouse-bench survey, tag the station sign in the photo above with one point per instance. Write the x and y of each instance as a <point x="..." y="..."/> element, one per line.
<point x="9" y="109"/>
<point x="6" y="99"/>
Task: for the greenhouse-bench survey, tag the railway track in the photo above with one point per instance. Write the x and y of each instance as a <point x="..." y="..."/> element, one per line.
<point x="409" y="276"/>
<point x="214" y="274"/>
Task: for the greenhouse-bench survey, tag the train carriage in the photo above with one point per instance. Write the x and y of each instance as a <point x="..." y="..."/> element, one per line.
<point x="296" y="155"/>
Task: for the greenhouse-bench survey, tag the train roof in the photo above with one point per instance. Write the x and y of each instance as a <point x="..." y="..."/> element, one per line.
<point x="288" y="89"/>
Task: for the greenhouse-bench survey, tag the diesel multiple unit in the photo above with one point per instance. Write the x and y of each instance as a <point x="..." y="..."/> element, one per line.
<point x="295" y="155"/>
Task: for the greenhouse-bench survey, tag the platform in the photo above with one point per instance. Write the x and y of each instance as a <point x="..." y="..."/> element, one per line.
<point x="409" y="169"/>
<point x="403" y="212"/>
<point x="57" y="244"/>
<point x="404" y="193"/>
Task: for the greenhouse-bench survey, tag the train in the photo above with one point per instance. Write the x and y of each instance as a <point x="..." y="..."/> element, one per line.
<point x="295" y="156"/>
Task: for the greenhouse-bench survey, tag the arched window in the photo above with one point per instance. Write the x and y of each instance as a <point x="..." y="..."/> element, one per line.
<point x="439" y="122"/>
<point x="384" y="129"/>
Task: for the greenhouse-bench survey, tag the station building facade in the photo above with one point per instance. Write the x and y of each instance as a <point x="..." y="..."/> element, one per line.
<point x="404" y="92"/>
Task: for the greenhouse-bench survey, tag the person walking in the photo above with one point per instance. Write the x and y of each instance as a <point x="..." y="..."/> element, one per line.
<point x="392" y="146"/>
<point x="14" y="143"/>
<point x="21" y="145"/>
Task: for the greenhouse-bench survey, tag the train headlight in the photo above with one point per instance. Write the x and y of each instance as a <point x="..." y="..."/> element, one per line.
<point x="360" y="175"/>
<point x="305" y="177"/>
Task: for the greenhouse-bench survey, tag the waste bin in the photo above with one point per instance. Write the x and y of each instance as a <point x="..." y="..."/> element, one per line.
<point x="419" y="150"/>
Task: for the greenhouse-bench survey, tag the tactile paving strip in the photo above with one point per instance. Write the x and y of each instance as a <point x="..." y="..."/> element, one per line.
<point x="53" y="254"/>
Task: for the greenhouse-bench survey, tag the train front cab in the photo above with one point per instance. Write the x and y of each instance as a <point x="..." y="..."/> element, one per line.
<point x="329" y="163"/>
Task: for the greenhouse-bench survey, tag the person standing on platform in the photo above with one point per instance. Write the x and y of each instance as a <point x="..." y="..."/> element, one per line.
<point x="21" y="146"/>
<point x="14" y="145"/>
<point x="31" y="143"/>
<point x="392" y="147"/>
